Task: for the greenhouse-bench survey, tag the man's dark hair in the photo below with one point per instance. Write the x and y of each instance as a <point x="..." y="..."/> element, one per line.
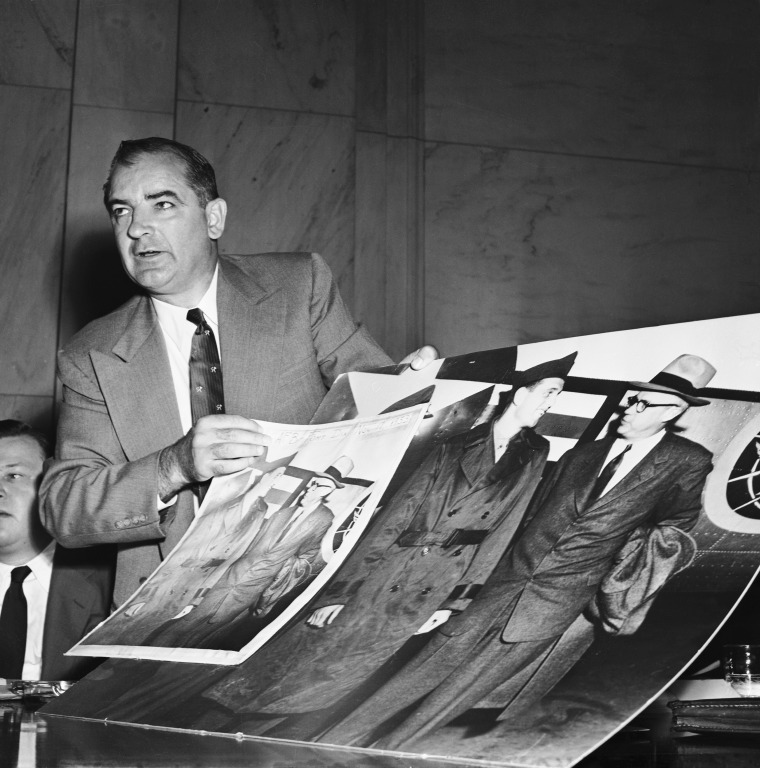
<point x="199" y="174"/>
<point x="15" y="428"/>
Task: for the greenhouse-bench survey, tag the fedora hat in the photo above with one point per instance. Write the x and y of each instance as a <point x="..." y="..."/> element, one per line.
<point x="552" y="369"/>
<point x="338" y="471"/>
<point x="683" y="377"/>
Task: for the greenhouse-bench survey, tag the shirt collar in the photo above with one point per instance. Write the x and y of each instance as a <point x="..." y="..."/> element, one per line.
<point x="170" y="315"/>
<point x="640" y="447"/>
<point x="41" y="565"/>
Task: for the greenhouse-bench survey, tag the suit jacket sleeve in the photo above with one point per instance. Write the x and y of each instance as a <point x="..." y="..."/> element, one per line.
<point x="91" y="494"/>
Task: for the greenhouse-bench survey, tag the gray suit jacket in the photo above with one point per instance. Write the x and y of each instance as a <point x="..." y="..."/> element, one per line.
<point x="285" y="336"/>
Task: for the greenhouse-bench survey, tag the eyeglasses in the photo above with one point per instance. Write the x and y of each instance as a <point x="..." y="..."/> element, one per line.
<point x="642" y="405"/>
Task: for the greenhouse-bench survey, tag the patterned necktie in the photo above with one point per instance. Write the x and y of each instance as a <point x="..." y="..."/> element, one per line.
<point x="206" y="388"/>
<point x="13" y="626"/>
<point x="606" y="475"/>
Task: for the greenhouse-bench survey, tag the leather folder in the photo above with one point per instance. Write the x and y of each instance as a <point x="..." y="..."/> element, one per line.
<point x="717" y="715"/>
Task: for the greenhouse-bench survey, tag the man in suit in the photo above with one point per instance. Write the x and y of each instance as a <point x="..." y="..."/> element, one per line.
<point x="429" y="551"/>
<point x="51" y="597"/>
<point x="642" y="475"/>
<point x="133" y="439"/>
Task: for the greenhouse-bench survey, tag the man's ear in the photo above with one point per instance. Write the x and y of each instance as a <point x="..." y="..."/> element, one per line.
<point x="216" y="215"/>
<point x="672" y="414"/>
<point x="518" y="395"/>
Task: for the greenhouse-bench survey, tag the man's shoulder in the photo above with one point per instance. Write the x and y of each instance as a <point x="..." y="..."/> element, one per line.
<point x="684" y="446"/>
<point x="273" y="267"/>
<point x="103" y="332"/>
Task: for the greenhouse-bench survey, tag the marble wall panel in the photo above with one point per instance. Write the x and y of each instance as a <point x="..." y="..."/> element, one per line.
<point x="389" y="252"/>
<point x="522" y="247"/>
<point x="288" y="178"/>
<point x="37" y="42"/>
<point x="283" y="54"/>
<point x="93" y="281"/>
<point x="36" y="411"/>
<point x="34" y="124"/>
<point x="664" y="80"/>
<point x="126" y="54"/>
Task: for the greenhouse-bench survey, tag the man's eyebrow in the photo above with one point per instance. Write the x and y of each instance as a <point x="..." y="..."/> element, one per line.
<point x="152" y="196"/>
<point x="162" y="193"/>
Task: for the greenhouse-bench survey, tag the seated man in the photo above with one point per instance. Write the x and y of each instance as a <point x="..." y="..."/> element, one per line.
<point x="51" y="597"/>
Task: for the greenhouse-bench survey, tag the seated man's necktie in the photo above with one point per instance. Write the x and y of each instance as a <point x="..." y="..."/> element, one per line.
<point x="13" y="626"/>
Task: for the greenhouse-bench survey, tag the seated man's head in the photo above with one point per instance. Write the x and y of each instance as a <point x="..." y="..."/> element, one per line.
<point x="23" y="451"/>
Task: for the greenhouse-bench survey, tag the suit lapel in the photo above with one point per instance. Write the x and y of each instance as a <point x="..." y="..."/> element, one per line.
<point x="250" y="317"/>
<point x="136" y="382"/>
<point x="643" y="472"/>
<point x="587" y="469"/>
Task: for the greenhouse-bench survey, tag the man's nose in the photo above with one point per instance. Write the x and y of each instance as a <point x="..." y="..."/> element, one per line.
<point x="140" y="224"/>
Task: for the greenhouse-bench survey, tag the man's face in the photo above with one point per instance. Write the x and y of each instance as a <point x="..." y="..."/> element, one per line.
<point x="165" y="238"/>
<point x="21" y="462"/>
<point x="532" y="404"/>
<point x="637" y="426"/>
<point x="316" y="490"/>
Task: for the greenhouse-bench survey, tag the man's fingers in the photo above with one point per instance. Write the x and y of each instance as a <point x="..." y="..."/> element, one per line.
<point x="231" y="450"/>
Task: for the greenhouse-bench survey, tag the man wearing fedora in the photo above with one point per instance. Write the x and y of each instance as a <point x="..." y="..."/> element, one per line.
<point x="284" y="553"/>
<point x="431" y="547"/>
<point x="641" y="476"/>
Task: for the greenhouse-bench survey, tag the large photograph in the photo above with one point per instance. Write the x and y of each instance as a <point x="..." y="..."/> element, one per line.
<point x="554" y="548"/>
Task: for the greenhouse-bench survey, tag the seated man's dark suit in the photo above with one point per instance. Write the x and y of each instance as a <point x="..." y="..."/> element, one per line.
<point x="78" y="600"/>
<point x="285" y="335"/>
<point x="539" y="588"/>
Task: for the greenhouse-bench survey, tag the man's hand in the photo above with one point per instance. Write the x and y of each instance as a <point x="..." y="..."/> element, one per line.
<point x="216" y="445"/>
<point x="421" y="357"/>
<point x="323" y="616"/>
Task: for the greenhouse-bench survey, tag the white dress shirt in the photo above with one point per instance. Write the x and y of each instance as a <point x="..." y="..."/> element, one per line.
<point x="639" y="449"/>
<point x="178" y="334"/>
<point x="36" y="589"/>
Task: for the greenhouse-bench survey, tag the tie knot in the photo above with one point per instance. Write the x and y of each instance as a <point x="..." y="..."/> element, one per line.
<point x="19" y="574"/>
<point x="195" y="316"/>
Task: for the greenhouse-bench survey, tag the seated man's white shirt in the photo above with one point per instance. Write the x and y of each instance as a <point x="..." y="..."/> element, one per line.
<point x="178" y="337"/>
<point x="36" y="590"/>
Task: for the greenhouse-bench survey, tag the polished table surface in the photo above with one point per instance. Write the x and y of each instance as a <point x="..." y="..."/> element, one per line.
<point x="29" y="739"/>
